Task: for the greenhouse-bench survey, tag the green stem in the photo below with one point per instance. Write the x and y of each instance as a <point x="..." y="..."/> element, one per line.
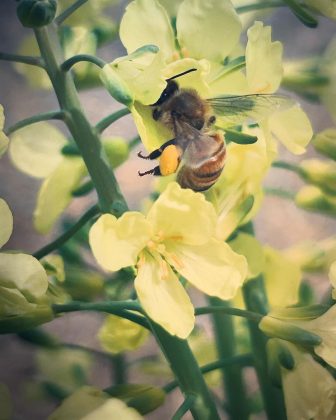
<point x="119" y="369"/>
<point x="25" y="59"/>
<point x="120" y="308"/>
<point x="252" y="316"/>
<point x="279" y="192"/>
<point x="287" y="165"/>
<point x="69" y="11"/>
<point x="83" y="189"/>
<point x="258" y="6"/>
<point x="87" y="140"/>
<point x="107" y="121"/>
<point x="52" y="115"/>
<point x="241" y="360"/>
<point x="188" y="374"/>
<point x="232" y="377"/>
<point x="52" y="246"/>
<point x="66" y="66"/>
<point x="184" y="407"/>
<point x="256" y="300"/>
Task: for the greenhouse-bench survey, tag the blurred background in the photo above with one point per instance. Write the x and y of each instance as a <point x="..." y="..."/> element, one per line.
<point x="279" y="223"/>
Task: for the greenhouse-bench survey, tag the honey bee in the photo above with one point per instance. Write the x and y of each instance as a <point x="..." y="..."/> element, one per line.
<point x="196" y="142"/>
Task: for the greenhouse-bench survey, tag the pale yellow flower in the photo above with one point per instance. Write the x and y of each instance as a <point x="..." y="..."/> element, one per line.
<point x="178" y="232"/>
<point x="309" y="389"/>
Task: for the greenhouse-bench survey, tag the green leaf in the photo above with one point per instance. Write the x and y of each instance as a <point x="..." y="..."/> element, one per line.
<point x="239" y="138"/>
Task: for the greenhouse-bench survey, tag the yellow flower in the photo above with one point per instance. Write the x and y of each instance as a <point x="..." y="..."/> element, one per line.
<point x="89" y="403"/>
<point x="177" y="233"/>
<point x="23" y="284"/>
<point x="118" y="334"/>
<point x="200" y="29"/>
<point x="325" y="7"/>
<point x="309" y="389"/>
<point x="3" y="137"/>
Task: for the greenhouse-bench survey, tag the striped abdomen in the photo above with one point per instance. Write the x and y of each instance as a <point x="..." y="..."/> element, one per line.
<point x="204" y="176"/>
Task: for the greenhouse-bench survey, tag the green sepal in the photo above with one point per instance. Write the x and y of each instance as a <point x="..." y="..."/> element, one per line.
<point x="303" y="313"/>
<point x="143" y="398"/>
<point x="70" y="150"/>
<point x="116" y="86"/>
<point x="325" y="143"/>
<point x="36" y="13"/>
<point x="273" y="366"/>
<point x="83" y="189"/>
<point x="239" y="138"/>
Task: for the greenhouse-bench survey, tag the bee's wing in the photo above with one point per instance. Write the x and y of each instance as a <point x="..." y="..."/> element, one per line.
<point x="199" y="147"/>
<point x="240" y="109"/>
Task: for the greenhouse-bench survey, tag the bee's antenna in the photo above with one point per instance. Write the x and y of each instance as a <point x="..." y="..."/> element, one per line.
<point x="180" y="74"/>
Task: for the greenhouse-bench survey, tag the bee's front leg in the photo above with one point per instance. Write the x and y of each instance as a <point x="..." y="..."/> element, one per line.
<point x="155" y="154"/>
<point x="155" y="171"/>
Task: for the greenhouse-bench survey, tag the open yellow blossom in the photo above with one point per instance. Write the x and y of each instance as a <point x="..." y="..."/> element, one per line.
<point x="309" y="389"/>
<point x="200" y="28"/>
<point x="176" y="234"/>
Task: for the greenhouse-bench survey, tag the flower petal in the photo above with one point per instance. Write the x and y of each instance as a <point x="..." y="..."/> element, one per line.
<point x="147" y="22"/>
<point x="292" y="127"/>
<point x="182" y="215"/>
<point x="36" y="149"/>
<point x="201" y="26"/>
<point x="163" y="297"/>
<point x="6" y="222"/>
<point x="23" y="272"/>
<point x="55" y="193"/>
<point x="263" y="60"/>
<point x="309" y="388"/>
<point x="213" y="267"/>
<point x="251" y="248"/>
<point x="143" y="75"/>
<point x="282" y="278"/>
<point x="89" y="403"/>
<point x="116" y="243"/>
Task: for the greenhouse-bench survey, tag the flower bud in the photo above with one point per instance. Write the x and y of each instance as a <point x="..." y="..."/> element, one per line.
<point x="313" y="199"/>
<point x="285" y="330"/>
<point x="36" y="13"/>
<point x="25" y="321"/>
<point x="116" y="149"/>
<point x="116" y="86"/>
<point x="320" y="173"/>
<point x="325" y="142"/>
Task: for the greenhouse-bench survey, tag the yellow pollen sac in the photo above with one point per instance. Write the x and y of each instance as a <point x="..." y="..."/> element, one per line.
<point x="185" y="52"/>
<point x="164" y="269"/>
<point x="169" y="160"/>
<point x="177" y="262"/>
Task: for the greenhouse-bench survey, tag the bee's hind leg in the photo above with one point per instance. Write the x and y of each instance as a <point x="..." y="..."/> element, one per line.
<point x="155" y="171"/>
<point x="157" y="152"/>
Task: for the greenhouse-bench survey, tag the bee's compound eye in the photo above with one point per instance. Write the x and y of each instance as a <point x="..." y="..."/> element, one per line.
<point x="212" y="119"/>
<point x="156" y="114"/>
<point x="198" y="123"/>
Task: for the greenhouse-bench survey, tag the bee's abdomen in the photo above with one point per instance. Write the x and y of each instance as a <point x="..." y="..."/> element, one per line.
<point x="203" y="177"/>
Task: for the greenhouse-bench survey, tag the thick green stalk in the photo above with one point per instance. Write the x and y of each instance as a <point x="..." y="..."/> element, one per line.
<point x="85" y="136"/>
<point x="186" y="370"/>
<point x="232" y="377"/>
<point x="255" y="300"/>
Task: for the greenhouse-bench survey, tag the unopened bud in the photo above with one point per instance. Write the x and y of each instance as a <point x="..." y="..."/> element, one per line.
<point x="116" y="86"/>
<point x="36" y="13"/>
<point x="285" y="330"/>
<point x="313" y="199"/>
<point x="25" y="321"/>
<point x="320" y="173"/>
<point x="325" y="142"/>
